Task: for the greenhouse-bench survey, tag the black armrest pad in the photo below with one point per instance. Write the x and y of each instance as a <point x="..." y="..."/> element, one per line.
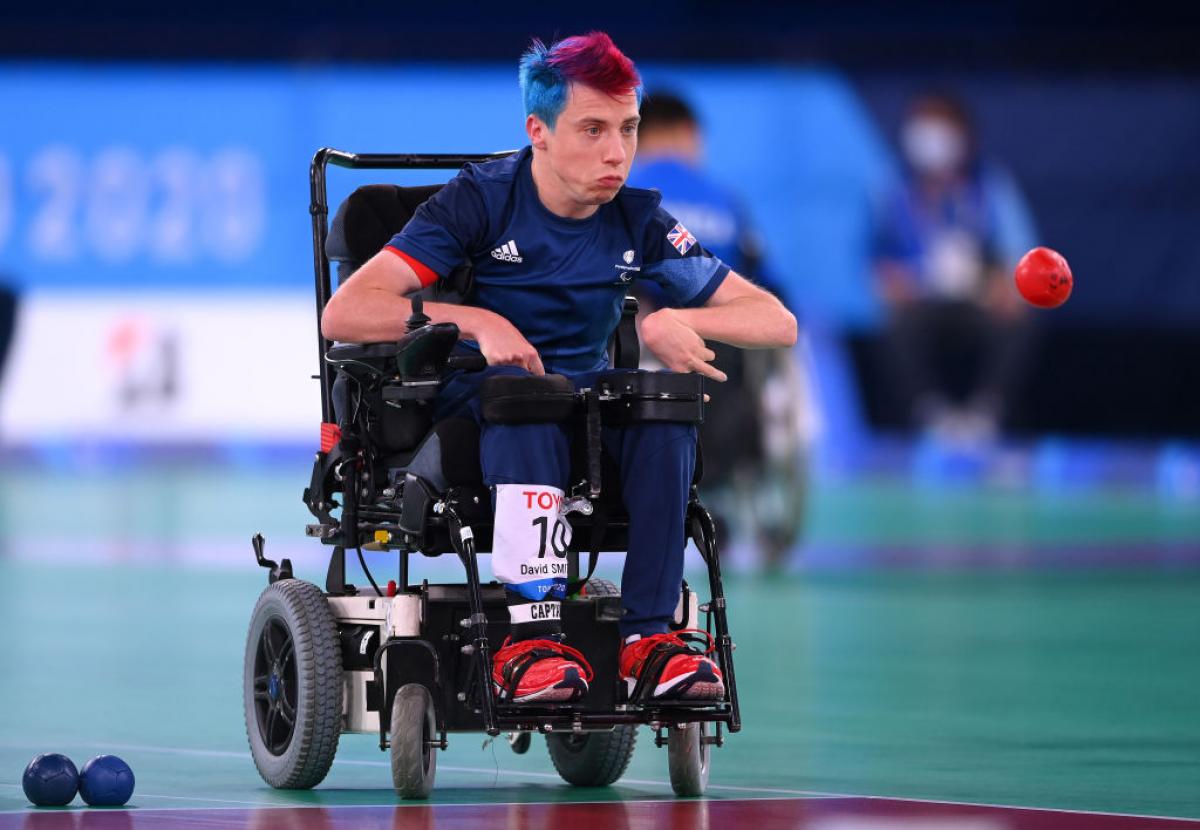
<point x="420" y="353"/>
<point x="527" y="399"/>
<point x="362" y="351"/>
<point x="630" y="397"/>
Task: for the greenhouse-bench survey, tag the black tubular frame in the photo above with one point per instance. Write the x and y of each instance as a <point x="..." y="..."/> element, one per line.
<point x="496" y="716"/>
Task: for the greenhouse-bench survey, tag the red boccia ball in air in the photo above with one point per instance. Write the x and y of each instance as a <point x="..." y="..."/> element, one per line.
<point x="1044" y="278"/>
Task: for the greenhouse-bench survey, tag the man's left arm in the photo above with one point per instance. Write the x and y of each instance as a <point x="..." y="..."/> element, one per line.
<point x="738" y="313"/>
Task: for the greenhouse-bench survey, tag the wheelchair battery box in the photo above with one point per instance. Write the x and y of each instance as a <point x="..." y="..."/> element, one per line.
<point x="527" y="399"/>
<point x="633" y="396"/>
<point x="364" y="623"/>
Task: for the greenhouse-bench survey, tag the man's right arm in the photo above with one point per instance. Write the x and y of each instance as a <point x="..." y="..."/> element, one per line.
<point x="370" y="307"/>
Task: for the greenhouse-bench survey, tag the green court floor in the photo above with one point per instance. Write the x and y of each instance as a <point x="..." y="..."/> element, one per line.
<point x="1066" y="688"/>
<point x="170" y="509"/>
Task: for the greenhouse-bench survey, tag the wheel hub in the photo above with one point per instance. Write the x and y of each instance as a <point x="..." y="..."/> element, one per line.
<point x="275" y="686"/>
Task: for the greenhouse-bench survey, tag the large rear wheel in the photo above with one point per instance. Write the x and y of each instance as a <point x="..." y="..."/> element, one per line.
<point x="593" y="759"/>
<point x="292" y="685"/>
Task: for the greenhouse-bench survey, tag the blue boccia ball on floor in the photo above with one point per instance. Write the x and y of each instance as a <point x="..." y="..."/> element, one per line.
<point x="50" y="780"/>
<point x="106" y="781"/>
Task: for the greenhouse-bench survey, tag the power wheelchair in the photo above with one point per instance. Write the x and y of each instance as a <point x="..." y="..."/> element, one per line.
<point x="411" y="662"/>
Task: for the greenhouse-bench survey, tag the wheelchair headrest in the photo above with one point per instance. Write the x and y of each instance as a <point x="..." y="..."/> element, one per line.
<point x="368" y="219"/>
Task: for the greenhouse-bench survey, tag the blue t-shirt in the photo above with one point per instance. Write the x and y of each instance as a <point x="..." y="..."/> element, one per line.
<point x="559" y="281"/>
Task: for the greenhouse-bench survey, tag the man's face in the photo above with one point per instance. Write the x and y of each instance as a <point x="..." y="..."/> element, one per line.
<point x="592" y="145"/>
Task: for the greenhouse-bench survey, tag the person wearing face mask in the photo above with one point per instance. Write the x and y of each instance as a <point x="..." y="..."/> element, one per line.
<point x="945" y="240"/>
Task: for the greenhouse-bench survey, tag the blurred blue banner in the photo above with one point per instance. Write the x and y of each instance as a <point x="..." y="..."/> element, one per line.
<point x="196" y="178"/>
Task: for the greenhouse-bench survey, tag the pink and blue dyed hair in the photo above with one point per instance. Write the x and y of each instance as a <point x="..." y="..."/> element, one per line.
<point x="593" y="60"/>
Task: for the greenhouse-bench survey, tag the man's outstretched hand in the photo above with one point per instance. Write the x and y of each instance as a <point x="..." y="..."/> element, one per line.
<point x="503" y="345"/>
<point x="677" y="345"/>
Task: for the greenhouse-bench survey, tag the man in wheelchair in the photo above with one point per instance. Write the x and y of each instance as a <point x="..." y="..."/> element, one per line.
<point x="554" y="240"/>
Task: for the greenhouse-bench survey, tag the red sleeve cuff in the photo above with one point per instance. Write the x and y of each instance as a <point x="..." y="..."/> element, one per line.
<point x="424" y="273"/>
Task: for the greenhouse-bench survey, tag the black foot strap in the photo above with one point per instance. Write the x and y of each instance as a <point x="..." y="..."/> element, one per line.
<point x="655" y="663"/>
<point x="516" y="668"/>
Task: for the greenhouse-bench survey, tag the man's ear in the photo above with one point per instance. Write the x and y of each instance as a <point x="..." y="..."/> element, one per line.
<point x="536" y="129"/>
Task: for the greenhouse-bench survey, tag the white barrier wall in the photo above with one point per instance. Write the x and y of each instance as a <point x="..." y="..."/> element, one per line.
<point x="162" y="368"/>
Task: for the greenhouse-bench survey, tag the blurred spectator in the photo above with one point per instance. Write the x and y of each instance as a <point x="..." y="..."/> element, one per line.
<point x="754" y="473"/>
<point x="946" y="242"/>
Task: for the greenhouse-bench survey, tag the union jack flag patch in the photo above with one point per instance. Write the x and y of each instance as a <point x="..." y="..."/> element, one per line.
<point x="681" y="239"/>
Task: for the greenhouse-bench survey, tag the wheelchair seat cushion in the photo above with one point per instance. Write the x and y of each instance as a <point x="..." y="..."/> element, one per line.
<point x="527" y="399"/>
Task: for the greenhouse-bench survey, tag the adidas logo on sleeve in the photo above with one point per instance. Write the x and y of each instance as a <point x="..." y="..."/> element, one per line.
<point x="508" y="252"/>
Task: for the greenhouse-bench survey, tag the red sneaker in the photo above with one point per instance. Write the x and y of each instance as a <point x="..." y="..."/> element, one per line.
<point x="665" y="666"/>
<point x="542" y="670"/>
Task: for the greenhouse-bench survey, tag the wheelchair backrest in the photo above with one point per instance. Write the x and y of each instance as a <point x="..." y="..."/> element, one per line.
<point x="368" y="219"/>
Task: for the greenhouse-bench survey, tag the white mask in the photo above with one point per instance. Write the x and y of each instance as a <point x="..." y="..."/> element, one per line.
<point x="933" y="145"/>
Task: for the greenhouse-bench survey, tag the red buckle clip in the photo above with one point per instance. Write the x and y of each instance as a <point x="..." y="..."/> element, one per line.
<point x="330" y="435"/>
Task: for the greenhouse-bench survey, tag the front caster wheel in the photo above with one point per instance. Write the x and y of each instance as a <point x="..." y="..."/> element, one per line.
<point x="520" y="742"/>
<point x="688" y="758"/>
<point x="414" y="728"/>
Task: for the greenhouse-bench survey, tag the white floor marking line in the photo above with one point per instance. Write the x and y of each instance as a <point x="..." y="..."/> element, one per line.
<point x="151" y="795"/>
<point x="197" y="798"/>
<point x="544" y="775"/>
<point x="1027" y="809"/>
<point x="623" y="780"/>
<point x="173" y="750"/>
<point x="515" y="773"/>
<point x="113" y="747"/>
<point x="414" y="805"/>
<point x="405" y="805"/>
<point x="209" y="753"/>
